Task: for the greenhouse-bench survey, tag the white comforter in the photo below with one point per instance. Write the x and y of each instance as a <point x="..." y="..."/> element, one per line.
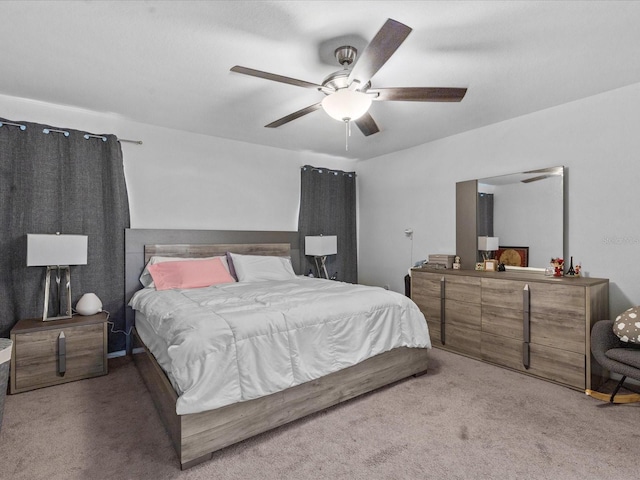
<point x="240" y="341"/>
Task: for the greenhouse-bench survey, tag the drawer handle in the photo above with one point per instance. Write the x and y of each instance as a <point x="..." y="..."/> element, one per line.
<point x="62" y="354"/>
<point x="526" y="326"/>
<point x="442" y="310"/>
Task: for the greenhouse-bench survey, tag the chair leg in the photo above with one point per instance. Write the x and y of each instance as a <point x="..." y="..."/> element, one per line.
<point x="614" y="397"/>
<point x="615" y="390"/>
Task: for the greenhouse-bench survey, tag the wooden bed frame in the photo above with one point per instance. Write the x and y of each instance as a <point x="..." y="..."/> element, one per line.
<point x="197" y="436"/>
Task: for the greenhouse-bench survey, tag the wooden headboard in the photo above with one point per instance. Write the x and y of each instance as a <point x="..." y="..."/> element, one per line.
<point x="141" y="244"/>
<point x="199" y="250"/>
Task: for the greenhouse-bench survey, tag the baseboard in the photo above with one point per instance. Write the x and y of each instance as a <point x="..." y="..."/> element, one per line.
<point x="119" y="353"/>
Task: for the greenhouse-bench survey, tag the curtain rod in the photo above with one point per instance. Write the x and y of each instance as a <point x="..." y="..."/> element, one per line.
<point x="104" y="139"/>
<point x="22" y="127"/>
<point x="66" y="134"/>
<point x="321" y="169"/>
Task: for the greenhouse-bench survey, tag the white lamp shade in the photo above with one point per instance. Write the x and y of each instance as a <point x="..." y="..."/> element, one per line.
<point x="346" y="104"/>
<point x="47" y="250"/>
<point x="320" y="245"/>
<point x="89" y="304"/>
<point x="488" y="244"/>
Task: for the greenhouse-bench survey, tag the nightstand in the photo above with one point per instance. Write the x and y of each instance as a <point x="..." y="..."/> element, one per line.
<point x="58" y="351"/>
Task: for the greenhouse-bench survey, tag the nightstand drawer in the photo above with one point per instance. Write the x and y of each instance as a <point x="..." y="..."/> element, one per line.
<point x="36" y="360"/>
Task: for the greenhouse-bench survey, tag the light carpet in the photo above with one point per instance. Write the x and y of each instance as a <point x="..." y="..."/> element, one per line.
<point x="463" y="420"/>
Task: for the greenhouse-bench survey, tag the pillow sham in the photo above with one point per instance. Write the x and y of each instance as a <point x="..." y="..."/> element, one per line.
<point x="257" y="268"/>
<point x="189" y="274"/>
<point x="145" y="276"/>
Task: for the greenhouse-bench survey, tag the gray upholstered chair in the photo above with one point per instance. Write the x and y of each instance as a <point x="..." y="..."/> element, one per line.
<point x="618" y="357"/>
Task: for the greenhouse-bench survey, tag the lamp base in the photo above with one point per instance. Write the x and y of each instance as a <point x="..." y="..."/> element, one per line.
<point x="47" y="288"/>
<point x="321" y="267"/>
<point x="487" y="255"/>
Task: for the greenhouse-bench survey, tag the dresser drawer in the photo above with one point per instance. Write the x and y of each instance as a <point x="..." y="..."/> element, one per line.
<point x="462" y="289"/>
<point x="505" y="322"/>
<point x="505" y="351"/>
<point x="462" y="339"/>
<point x="550" y="363"/>
<point x="550" y="299"/>
<point x="561" y="330"/>
<point x="559" y="365"/>
<point x="425" y="283"/>
<point x="503" y="293"/>
<point x="463" y="314"/>
<point x="429" y="305"/>
<point x="37" y="363"/>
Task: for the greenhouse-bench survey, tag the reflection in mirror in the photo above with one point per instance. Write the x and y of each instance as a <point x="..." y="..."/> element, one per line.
<point x="524" y="210"/>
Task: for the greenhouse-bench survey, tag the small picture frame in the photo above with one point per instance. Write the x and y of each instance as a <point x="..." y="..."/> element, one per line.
<point x="491" y="265"/>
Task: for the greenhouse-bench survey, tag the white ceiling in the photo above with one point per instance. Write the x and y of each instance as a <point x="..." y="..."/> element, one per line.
<point x="167" y="63"/>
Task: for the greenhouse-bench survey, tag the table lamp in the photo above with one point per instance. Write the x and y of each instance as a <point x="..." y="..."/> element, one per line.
<point x="319" y="246"/>
<point x="488" y="245"/>
<point x="56" y="252"/>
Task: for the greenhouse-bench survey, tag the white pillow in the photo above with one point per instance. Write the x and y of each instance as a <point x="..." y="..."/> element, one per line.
<point x="145" y="277"/>
<point x="256" y="268"/>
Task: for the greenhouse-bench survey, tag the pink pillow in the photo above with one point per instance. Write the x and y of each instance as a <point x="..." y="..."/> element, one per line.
<point x="189" y="274"/>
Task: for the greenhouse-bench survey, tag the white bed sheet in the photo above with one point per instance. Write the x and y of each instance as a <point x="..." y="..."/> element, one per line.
<point x="235" y="342"/>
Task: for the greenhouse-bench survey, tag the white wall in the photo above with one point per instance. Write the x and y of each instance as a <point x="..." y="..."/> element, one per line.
<point x="597" y="140"/>
<point x="182" y="180"/>
<point x="177" y="179"/>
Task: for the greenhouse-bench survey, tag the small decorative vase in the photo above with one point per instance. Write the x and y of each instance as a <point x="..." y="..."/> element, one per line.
<point x="89" y="304"/>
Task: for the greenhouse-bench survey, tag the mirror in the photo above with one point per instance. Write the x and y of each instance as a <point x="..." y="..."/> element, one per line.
<point x="526" y="212"/>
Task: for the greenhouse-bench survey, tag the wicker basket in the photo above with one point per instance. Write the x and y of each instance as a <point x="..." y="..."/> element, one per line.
<point x="5" y="359"/>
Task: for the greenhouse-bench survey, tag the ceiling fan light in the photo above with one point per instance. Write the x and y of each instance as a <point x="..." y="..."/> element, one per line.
<point x="345" y="105"/>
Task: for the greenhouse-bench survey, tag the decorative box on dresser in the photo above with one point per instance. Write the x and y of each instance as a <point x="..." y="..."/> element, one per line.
<point x="58" y="351"/>
<point x="528" y="322"/>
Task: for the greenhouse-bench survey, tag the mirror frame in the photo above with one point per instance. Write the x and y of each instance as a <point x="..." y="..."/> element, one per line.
<point x="467" y="218"/>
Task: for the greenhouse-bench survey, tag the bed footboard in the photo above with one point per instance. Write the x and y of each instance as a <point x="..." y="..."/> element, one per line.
<point x="196" y="436"/>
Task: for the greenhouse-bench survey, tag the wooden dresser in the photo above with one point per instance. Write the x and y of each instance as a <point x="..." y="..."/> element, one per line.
<point x="523" y="321"/>
<point x="57" y="351"/>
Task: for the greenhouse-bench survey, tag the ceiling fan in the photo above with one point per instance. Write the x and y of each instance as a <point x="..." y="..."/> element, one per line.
<point x="349" y="93"/>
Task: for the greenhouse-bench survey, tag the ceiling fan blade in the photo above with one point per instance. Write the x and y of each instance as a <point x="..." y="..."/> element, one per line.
<point x="535" y="179"/>
<point x="294" y="115"/>
<point x="274" y="77"/>
<point x="419" y="94"/>
<point x="379" y="50"/>
<point x="367" y="125"/>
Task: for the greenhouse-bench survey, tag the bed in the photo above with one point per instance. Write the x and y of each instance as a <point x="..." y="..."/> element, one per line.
<point x="197" y="431"/>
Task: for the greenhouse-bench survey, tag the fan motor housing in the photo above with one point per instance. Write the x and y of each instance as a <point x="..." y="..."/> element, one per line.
<point x="346" y="54"/>
<point x="337" y="80"/>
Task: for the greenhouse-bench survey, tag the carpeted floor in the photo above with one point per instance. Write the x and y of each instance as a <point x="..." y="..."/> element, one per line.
<point x="463" y="420"/>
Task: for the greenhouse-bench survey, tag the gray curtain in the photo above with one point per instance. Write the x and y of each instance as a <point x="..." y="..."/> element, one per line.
<point x="485" y="214"/>
<point x="61" y="183"/>
<point x="328" y="207"/>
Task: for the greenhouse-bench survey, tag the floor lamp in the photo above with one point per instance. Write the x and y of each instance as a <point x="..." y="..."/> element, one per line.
<point x="319" y="246"/>
<point x="57" y="252"/>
